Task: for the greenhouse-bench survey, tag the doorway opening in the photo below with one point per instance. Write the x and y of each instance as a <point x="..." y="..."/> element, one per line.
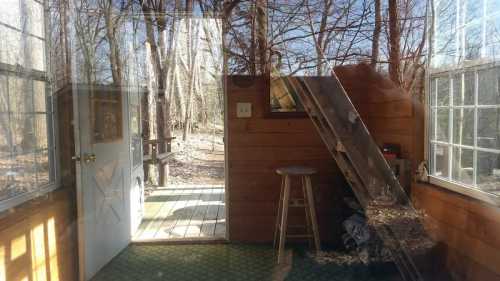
<point x="183" y="127"/>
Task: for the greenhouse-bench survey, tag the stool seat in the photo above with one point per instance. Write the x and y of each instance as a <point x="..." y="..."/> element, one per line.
<point x="296" y="171"/>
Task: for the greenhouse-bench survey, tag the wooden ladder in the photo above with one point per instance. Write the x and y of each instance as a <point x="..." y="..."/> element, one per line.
<point x="386" y="205"/>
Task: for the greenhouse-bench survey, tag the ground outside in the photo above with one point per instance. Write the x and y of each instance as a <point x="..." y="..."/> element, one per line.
<point x="232" y="262"/>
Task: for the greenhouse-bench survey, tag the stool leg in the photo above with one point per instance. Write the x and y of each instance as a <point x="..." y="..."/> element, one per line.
<point x="284" y="218"/>
<point x="306" y="211"/>
<point x="278" y="214"/>
<point x="314" y="221"/>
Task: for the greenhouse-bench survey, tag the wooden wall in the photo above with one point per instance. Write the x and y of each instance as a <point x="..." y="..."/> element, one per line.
<point x="469" y="228"/>
<point x="38" y="238"/>
<point x="256" y="147"/>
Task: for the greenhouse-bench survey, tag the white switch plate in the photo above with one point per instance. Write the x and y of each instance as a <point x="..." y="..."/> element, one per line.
<point x="243" y="110"/>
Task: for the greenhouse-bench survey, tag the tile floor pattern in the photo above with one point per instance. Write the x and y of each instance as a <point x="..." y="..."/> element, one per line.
<point x="231" y="262"/>
<point x="183" y="211"/>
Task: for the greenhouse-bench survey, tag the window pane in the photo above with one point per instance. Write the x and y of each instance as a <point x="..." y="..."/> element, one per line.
<point x="11" y="13"/>
<point x="463" y="89"/>
<point x="488" y="174"/>
<point x="473" y="42"/>
<point x="488" y="92"/>
<point x="40" y="100"/>
<point x="463" y="126"/>
<point x="443" y="124"/>
<point x="441" y="156"/>
<point x="4" y="97"/>
<point x="5" y="136"/>
<point x="43" y="168"/>
<point x="10" y="46"/>
<point x="463" y="168"/>
<point x="488" y="128"/>
<point x="41" y="131"/>
<point x="492" y="6"/>
<point x="445" y="42"/>
<point x="433" y="88"/>
<point x="37" y="59"/>
<point x="35" y="18"/>
<point x="23" y="136"/>
<point x="432" y="125"/>
<point x="443" y="91"/>
<point x="493" y="31"/>
<point x="20" y="96"/>
<point x="23" y="169"/>
<point x="473" y="10"/>
<point x="6" y="178"/>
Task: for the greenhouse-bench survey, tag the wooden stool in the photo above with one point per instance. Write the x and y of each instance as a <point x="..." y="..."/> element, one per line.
<point x="308" y="204"/>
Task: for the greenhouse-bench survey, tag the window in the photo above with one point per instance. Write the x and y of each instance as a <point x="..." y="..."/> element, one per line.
<point x="26" y="115"/>
<point x="465" y="128"/>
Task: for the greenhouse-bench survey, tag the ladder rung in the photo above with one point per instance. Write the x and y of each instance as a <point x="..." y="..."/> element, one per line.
<point x="299" y="236"/>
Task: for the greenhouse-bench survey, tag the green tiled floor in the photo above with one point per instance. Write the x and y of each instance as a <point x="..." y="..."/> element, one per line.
<point x="228" y="262"/>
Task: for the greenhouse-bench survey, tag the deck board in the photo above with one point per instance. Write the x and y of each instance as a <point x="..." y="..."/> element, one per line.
<point x="179" y="212"/>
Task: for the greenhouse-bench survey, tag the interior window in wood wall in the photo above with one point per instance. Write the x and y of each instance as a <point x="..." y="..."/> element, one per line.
<point x="107" y="120"/>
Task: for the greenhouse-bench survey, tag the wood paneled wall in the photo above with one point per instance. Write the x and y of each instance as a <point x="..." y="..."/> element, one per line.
<point x="469" y="228"/>
<point x="38" y="239"/>
<point x="256" y="147"/>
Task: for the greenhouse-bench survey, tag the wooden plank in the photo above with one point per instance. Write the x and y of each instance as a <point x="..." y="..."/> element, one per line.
<point x="210" y="219"/>
<point x="167" y="229"/>
<point x="220" y="227"/>
<point x="162" y="213"/>
<point x="294" y="139"/>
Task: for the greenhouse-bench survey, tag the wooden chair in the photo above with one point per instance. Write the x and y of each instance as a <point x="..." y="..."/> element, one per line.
<point x="159" y="159"/>
<point x="307" y="202"/>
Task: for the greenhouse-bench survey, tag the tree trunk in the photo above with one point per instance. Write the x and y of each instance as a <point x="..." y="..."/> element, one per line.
<point x="261" y="10"/>
<point x="376" y="34"/>
<point x="394" y="43"/>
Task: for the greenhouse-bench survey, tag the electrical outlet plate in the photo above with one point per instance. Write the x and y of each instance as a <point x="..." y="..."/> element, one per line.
<point x="243" y="110"/>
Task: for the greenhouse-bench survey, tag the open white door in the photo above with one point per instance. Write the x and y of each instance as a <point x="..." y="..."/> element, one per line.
<point x="102" y="145"/>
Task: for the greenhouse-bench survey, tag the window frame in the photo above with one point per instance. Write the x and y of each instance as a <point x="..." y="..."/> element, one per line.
<point x="449" y="183"/>
<point x="33" y="75"/>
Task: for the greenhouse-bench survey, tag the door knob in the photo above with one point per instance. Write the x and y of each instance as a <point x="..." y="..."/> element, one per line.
<point x="89" y="157"/>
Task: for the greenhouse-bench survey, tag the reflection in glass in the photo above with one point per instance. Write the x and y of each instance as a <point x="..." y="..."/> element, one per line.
<point x="23" y="135"/>
<point x="24" y="173"/>
<point x="41" y="131"/>
<point x="464" y="88"/>
<point x="443" y="91"/>
<point x="6" y="177"/>
<point x="488" y="131"/>
<point x="20" y="97"/>
<point x="473" y="42"/>
<point x="441" y="163"/>
<point x="488" y="173"/>
<point x="488" y="90"/>
<point x="463" y="126"/>
<point x="42" y="167"/>
<point x="462" y="165"/>
<point x="442" y="126"/>
<point x="39" y="97"/>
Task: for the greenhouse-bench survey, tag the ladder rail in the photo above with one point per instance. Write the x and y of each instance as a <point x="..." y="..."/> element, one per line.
<point x="325" y="120"/>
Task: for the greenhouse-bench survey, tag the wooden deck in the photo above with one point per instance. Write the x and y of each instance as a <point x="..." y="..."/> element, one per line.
<point x="177" y="212"/>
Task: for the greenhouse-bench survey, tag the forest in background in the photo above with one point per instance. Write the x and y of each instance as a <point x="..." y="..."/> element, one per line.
<point x="178" y="50"/>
